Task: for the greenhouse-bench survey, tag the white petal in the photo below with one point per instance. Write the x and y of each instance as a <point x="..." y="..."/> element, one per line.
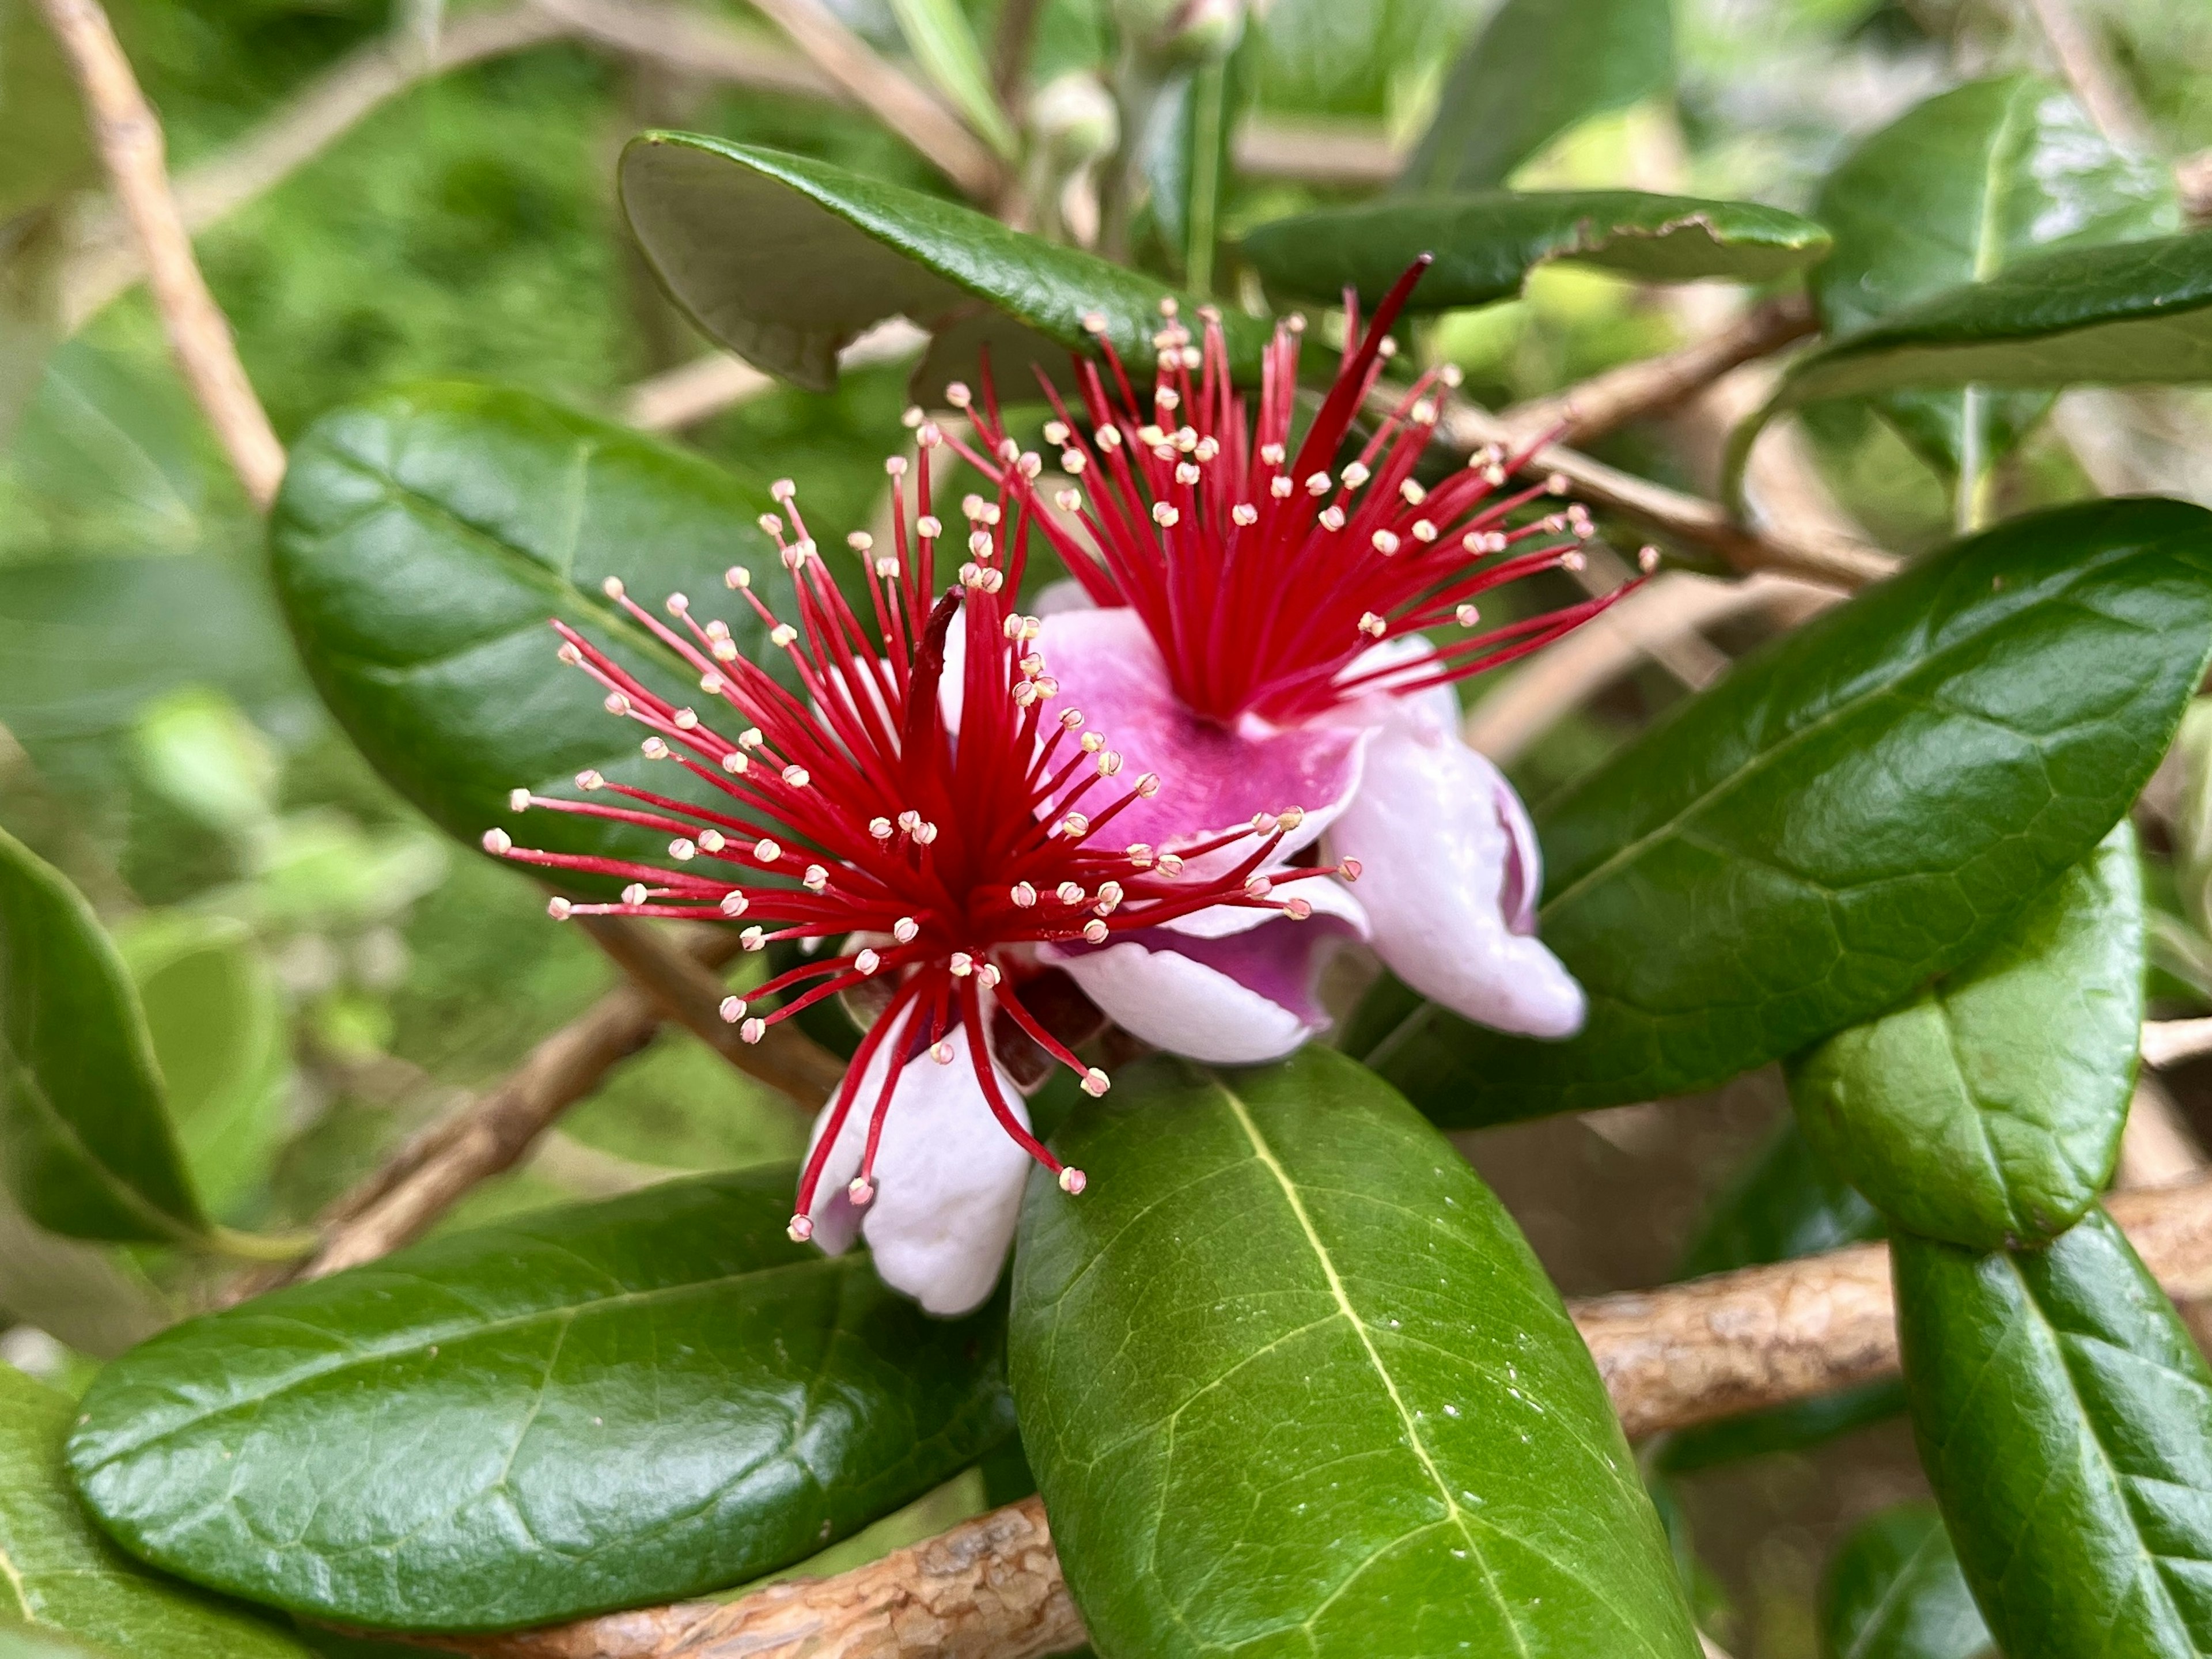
<point x="1251" y="999"/>
<point x="1446" y="848"/>
<point x="1328" y="898"/>
<point x="948" y="1180"/>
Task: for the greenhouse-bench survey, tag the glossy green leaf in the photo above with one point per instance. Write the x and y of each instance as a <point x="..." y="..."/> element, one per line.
<point x="1538" y="67"/>
<point x="2126" y="313"/>
<point x="944" y="43"/>
<point x="2064" y="1419"/>
<point x="425" y="540"/>
<point x="784" y="260"/>
<point x="1858" y="807"/>
<point x="85" y="1142"/>
<point x="1893" y="1590"/>
<point x="1487" y="244"/>
<point x="1785" y="1203"/>
<point x="1988" y="1109"/>
<point x="585" y="1408"/>
<point x="1951" y="193"/>
<point x="57" y="1574"/>
<point x="218" y="1022"/>
<point x="1292" y="1382"/>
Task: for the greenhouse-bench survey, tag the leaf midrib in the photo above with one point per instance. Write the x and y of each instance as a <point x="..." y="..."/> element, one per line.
<point x="567" y="1313"/>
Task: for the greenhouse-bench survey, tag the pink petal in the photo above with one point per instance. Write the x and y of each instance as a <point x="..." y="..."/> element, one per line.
<point x="1451" y="879"/>
<point x="1212" y="778"/>
<point x="948" y="1182"/>
<point x="1230" y="1002"/>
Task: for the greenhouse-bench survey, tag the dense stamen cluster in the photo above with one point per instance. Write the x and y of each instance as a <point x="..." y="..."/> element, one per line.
<point x="1264" y="575"/>
<point x="938" y="853"/>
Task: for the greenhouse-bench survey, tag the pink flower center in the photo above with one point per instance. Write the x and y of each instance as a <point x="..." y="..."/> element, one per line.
<point x="850" y="811"/>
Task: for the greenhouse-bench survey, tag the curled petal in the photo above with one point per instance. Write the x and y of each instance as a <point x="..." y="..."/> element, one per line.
<point x="1212" y="777"/>
<point x="1235" y="1000"/>
<point x="948" y="1182"/>
<point x="1451" y="879"/>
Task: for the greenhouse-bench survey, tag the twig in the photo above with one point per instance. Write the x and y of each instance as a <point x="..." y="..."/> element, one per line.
<point x="1011" y="46"/>
<point x="697" y="391"/>
<point x="1316" y="152"/>
<point x="129" y="139"/>
<point x="2082" y="60"/>
<point x="901" y="104"/>
<point x="1670" y="1358"/>
<point x="2156" y="1146"/>
<point x="1812" y="555"/>
<point x="326" y="108"/>
<point x="2169" y="1042"/>
<point x="1656" y="384"/>
<point x="683" y="985"/>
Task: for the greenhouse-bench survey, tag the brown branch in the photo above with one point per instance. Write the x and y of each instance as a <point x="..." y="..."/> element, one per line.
<point x="697" y="391"/>
<point x="2169" y="1042"/>
<point x="129" y="138"/>
<point x="1684" y="1354"/>
<point x="1011" y="46"/>
<point x="1654" y="386"/>
<point x="2089" y="70"/>
<point x="901" y="104"/>
<point x="1316" y="152"/>
<point x="2193" y="173"/>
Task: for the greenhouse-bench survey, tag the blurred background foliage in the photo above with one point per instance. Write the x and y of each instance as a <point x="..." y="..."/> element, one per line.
<point x="323" y="974"/>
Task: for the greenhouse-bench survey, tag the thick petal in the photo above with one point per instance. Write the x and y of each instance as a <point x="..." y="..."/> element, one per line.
<point x="1450" y="880"/>
<point x="1212" y="777"/>
<point x="948" y="1180"/>
<point x="1231" y="1001"/>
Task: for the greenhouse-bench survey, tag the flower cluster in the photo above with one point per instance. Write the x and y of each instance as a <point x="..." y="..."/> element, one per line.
<point x="924" y="798"/>
<point x="1253" y="625"/>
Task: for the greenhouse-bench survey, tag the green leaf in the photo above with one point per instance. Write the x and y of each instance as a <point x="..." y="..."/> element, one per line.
<point x="2127" y="313"/>
<point x="56" y="1574"/>
<point x="218" y="1022"/>
<point x="1538" y="67"/>
<point x="42" y="125"/>
<point x="85" y="1142"/>
<point x="587" y="1408"/>
<point x="1785" y="1203"/>
<point x="939" y="35"/>
<point x="1487" y="244"/>
<point x="423" y="541"/>
<point x="1988" y="1109"/>
<point x="2064" y="1419"/>
<point x="1860" y="806"/>
<point x="1951" y="193"/>
<point x="28" y="1642"/>
<point x="1292" y="1382"/>
<point x="1893" y="1590"/>
<point x="784" y="260"/>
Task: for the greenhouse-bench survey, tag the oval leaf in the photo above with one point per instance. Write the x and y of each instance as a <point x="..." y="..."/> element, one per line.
<point x="1951" y="193"/>
<point x="2130" y="314"/>
<point x="1893" y="1590"/>
<point x="1863" y="805"/>
<point x="1487" y="245"/>
<point x="784" y="260"/>
<point x="1988" y="1109"/>
<point x="85" y="1142"/>
<point x="1538" y="67"/>
<point x="2064" y="1419"/>
<point x="423" y="541"/>
<point x="1287" y="1366"/>
<point x="57" y="1574"/>
<point x="587" y="1408"/>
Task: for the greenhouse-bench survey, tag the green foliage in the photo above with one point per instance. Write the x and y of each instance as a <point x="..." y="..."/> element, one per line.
<point x="1862" y="805"/>
<point x="598" y="1406"/>
<point x="2064" y="1418"/>
<point x="2129" y="314"/>
<point x="944" y="43"/>
<point x="423" y="542"/>
<point x="1953" y="192"/>
<point x="1988" y="1109"/>
<point x="1539" y="67"/>
<point x="1257" y="1404"/>
<point x="1487" y="245"/>
<point x="1893" y="1590"/>
<point x="85" y="1142"/>
<point x="61" y="1577"/>
<point x="784" y="260"/>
